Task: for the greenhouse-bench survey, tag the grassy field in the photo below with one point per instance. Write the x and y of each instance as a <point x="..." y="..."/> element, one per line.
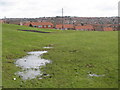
<point x="75" y="53"/>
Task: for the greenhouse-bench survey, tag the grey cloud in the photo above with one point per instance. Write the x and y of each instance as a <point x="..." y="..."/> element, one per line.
<point x="37" y="8"/>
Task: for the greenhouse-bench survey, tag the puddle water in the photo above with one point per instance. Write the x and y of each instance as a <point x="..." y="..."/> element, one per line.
<point x="95" y="75"/>
<point x="47" y="47"/>
<point x="31" y="64"/>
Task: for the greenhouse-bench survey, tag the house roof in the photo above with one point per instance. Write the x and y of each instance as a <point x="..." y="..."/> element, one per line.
<point x="38" y="23"/>
<point x="108" y="29"/>
<point x="65" y="26"/>
<point x="27" y="24"/>
<point x="84" y="27"/>
<point x="41" y="23"/>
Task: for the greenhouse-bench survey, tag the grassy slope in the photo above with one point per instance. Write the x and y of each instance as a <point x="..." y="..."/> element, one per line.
<point x="72" y="51"/>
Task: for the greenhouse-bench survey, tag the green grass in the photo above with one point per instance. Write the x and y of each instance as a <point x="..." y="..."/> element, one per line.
<point x="71" y="56"/>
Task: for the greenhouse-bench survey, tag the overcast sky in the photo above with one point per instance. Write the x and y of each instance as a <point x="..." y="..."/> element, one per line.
<point x="49" y="8"/>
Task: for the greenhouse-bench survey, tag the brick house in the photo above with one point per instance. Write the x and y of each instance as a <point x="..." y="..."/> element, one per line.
<point x="39" y="24"/>
<point x="84" y="28"/>
<point x="97" y="27"/>
<point x="64" y="27"/>
<point x="108" y="29"/>
<point x="115" y="27"/>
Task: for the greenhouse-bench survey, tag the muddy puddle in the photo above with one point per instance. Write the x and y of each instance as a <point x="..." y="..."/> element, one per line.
<point x="31" y="65"/>
<point x="47" y="47"/>
<point x="95" y="75"/>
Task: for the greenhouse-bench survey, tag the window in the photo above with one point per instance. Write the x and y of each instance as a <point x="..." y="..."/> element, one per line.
<point x="34" y="26"/>
<point x="40" y="26"/>
<point x="49" y="25"/>
<point x="44" y="25"/>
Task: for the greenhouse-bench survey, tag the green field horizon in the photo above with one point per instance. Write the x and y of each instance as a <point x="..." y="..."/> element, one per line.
<point x="74" y="55"/>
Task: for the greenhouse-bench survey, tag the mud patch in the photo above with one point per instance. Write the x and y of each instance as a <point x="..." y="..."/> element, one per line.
<point x="33" y="31"/>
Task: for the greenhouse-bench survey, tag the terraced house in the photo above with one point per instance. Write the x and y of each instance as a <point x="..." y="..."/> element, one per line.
<point x="64" y="27"/>
<point x="84" y="27"/>
<point x="40" y="24"/>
